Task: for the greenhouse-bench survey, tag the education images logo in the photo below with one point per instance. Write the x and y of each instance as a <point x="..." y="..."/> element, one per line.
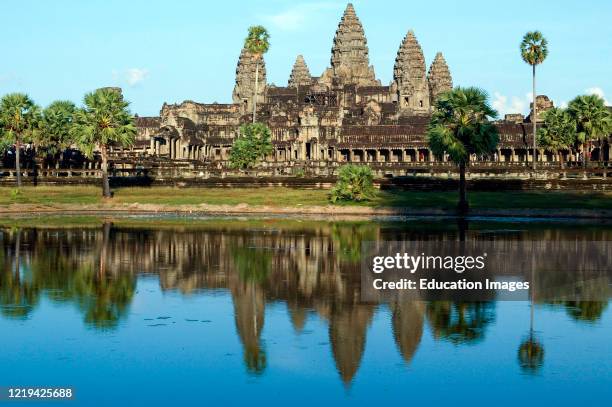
<point x="407" y="263"/>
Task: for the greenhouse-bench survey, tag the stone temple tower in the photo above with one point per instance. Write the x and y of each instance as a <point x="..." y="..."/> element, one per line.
<point x="245" y="81"/>
<point x="300" y="75"/>
<point x="350" y="62"/>
<point x="439" y="78"/>
<point x="409" y="77"/>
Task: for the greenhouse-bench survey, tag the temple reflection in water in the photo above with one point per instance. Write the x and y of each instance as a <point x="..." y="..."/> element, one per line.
<point x="313" y="267"/>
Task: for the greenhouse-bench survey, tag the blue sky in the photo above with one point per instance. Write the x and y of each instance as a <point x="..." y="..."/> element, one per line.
<point x="170" y="51"/>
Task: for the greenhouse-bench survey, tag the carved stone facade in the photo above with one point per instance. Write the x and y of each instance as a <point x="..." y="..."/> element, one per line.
<point x="409" y="78"/>
<point x="344" y="115"/>
<point x="300" y="75"/>
<point x="543" y="103"/>
<point x="439" y="78"/>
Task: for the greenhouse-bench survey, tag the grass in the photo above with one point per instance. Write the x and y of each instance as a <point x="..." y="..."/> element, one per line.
<point x="277" y="196"/>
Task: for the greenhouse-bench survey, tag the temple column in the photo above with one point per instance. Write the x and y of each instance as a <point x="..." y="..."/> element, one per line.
<point x="377" y="155"/>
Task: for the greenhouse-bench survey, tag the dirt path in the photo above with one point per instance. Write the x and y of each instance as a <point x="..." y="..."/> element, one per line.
<point x="136" y="208"/>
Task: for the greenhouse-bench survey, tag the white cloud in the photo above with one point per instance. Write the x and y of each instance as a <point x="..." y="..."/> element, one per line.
<point x="595" y="90"/>
<point x="131" y="76"/>
<point x="299" y="15"/>
<point x="515" y="104"/>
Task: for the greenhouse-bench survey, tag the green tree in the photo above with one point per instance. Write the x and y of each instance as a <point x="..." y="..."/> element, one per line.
<point x="252" y="145"/>
<point x="54" y="135"/>
<point x="257" y="43"/>
<point x="355" y="183"/>
<point x="534" y="49"/>
<point x="19" y="119"/>
<point x="460" y="127"/>
<point x="105" y="120"/>
<point x="558" y="132"/>
<point x="593" y="120"/>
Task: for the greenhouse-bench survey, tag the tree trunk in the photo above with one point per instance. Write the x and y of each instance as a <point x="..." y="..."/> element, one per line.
<point x="35" y="165"/>
<point x="106" y="229"/>
<point x="585" y="153"/>
<point x="534" y="118"/>
<point x="18" y="161"/>
<point x="105" y="184"/>
<point x="256" y="89"/>
<point x="463" y="203"/>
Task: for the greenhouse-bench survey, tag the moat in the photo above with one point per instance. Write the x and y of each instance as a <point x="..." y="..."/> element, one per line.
<point x="194" y="310"/>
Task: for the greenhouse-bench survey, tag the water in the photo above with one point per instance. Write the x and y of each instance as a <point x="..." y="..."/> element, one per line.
<point x="199" y="311"/>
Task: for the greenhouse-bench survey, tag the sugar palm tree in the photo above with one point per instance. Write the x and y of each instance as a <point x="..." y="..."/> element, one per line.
<point x="257" y="43"/>
<point x="460" y="127"/>
<point x="593" y="120"/>
<point x="534" y="49"/>
<point x="19" y="118"/>
<point x="104" y="120"/>
<point x="558" y="132"/>
<point x="54" y="136"/>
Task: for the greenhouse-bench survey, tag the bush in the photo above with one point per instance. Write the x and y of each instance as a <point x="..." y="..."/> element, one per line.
<point x="355" y="183"/>
<point x="253" y="144"/>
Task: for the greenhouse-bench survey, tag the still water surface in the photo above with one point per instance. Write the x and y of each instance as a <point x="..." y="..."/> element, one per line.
<point x="199" y="311"/>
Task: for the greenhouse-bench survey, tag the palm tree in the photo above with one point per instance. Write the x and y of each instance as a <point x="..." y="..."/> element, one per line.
<point x="54" y="136"/>
<point x="257" y="43"/>
<point x="104" y="120"/>
<point x="19" y="118"/>
<point x="460" y="127"/>
<point x="558" y="132"/>
<point x="534" y="49"/>
<point x="593" y="120"/>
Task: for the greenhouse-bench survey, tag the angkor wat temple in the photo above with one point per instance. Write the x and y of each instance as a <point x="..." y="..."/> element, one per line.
<point x="343" y="115"/>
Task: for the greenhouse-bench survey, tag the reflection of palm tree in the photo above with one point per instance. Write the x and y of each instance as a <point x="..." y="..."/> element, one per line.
<point x="460" y="322"/>
<point x="17" y="297"/>
<point x="407" y="321"/>
<point x="248" y="296"/>
<point x="531" y="351"/>
<point x="104" y="298"/>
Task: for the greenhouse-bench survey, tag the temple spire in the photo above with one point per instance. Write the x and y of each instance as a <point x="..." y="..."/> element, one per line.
<point x="439" y="77"/>
<point x="409" y="76"/>
<point x="350" y="56"/>
<point x="245" y="80"/>
<point x="300" y="75"/>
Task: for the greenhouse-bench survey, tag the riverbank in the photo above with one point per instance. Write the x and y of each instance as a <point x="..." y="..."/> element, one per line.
<point x="87" y="200"/>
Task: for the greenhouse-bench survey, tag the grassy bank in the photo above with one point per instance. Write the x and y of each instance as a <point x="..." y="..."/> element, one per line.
<point x="286" y="197"/>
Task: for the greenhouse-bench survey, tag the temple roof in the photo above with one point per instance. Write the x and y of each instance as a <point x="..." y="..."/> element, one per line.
<point x="300" y="75"/>
<point x="350" y="56"/>
<point x="409" y="68"/>
<point x="439" y="77"/>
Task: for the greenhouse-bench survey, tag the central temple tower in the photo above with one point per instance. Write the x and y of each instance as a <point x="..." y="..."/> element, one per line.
<point x="350" y="62"/>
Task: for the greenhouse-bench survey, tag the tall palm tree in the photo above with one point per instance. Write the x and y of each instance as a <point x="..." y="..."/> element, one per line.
<point x="534" y="49"/>
<point x="257" y="43"/>
<point x="460" y="127"/>
<point x="558" y="132"/>
<point x="54" y="136"/>
<point x="19" y="118"/>
<point x="104" y="120"/>
<point x="593" y="120"/>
